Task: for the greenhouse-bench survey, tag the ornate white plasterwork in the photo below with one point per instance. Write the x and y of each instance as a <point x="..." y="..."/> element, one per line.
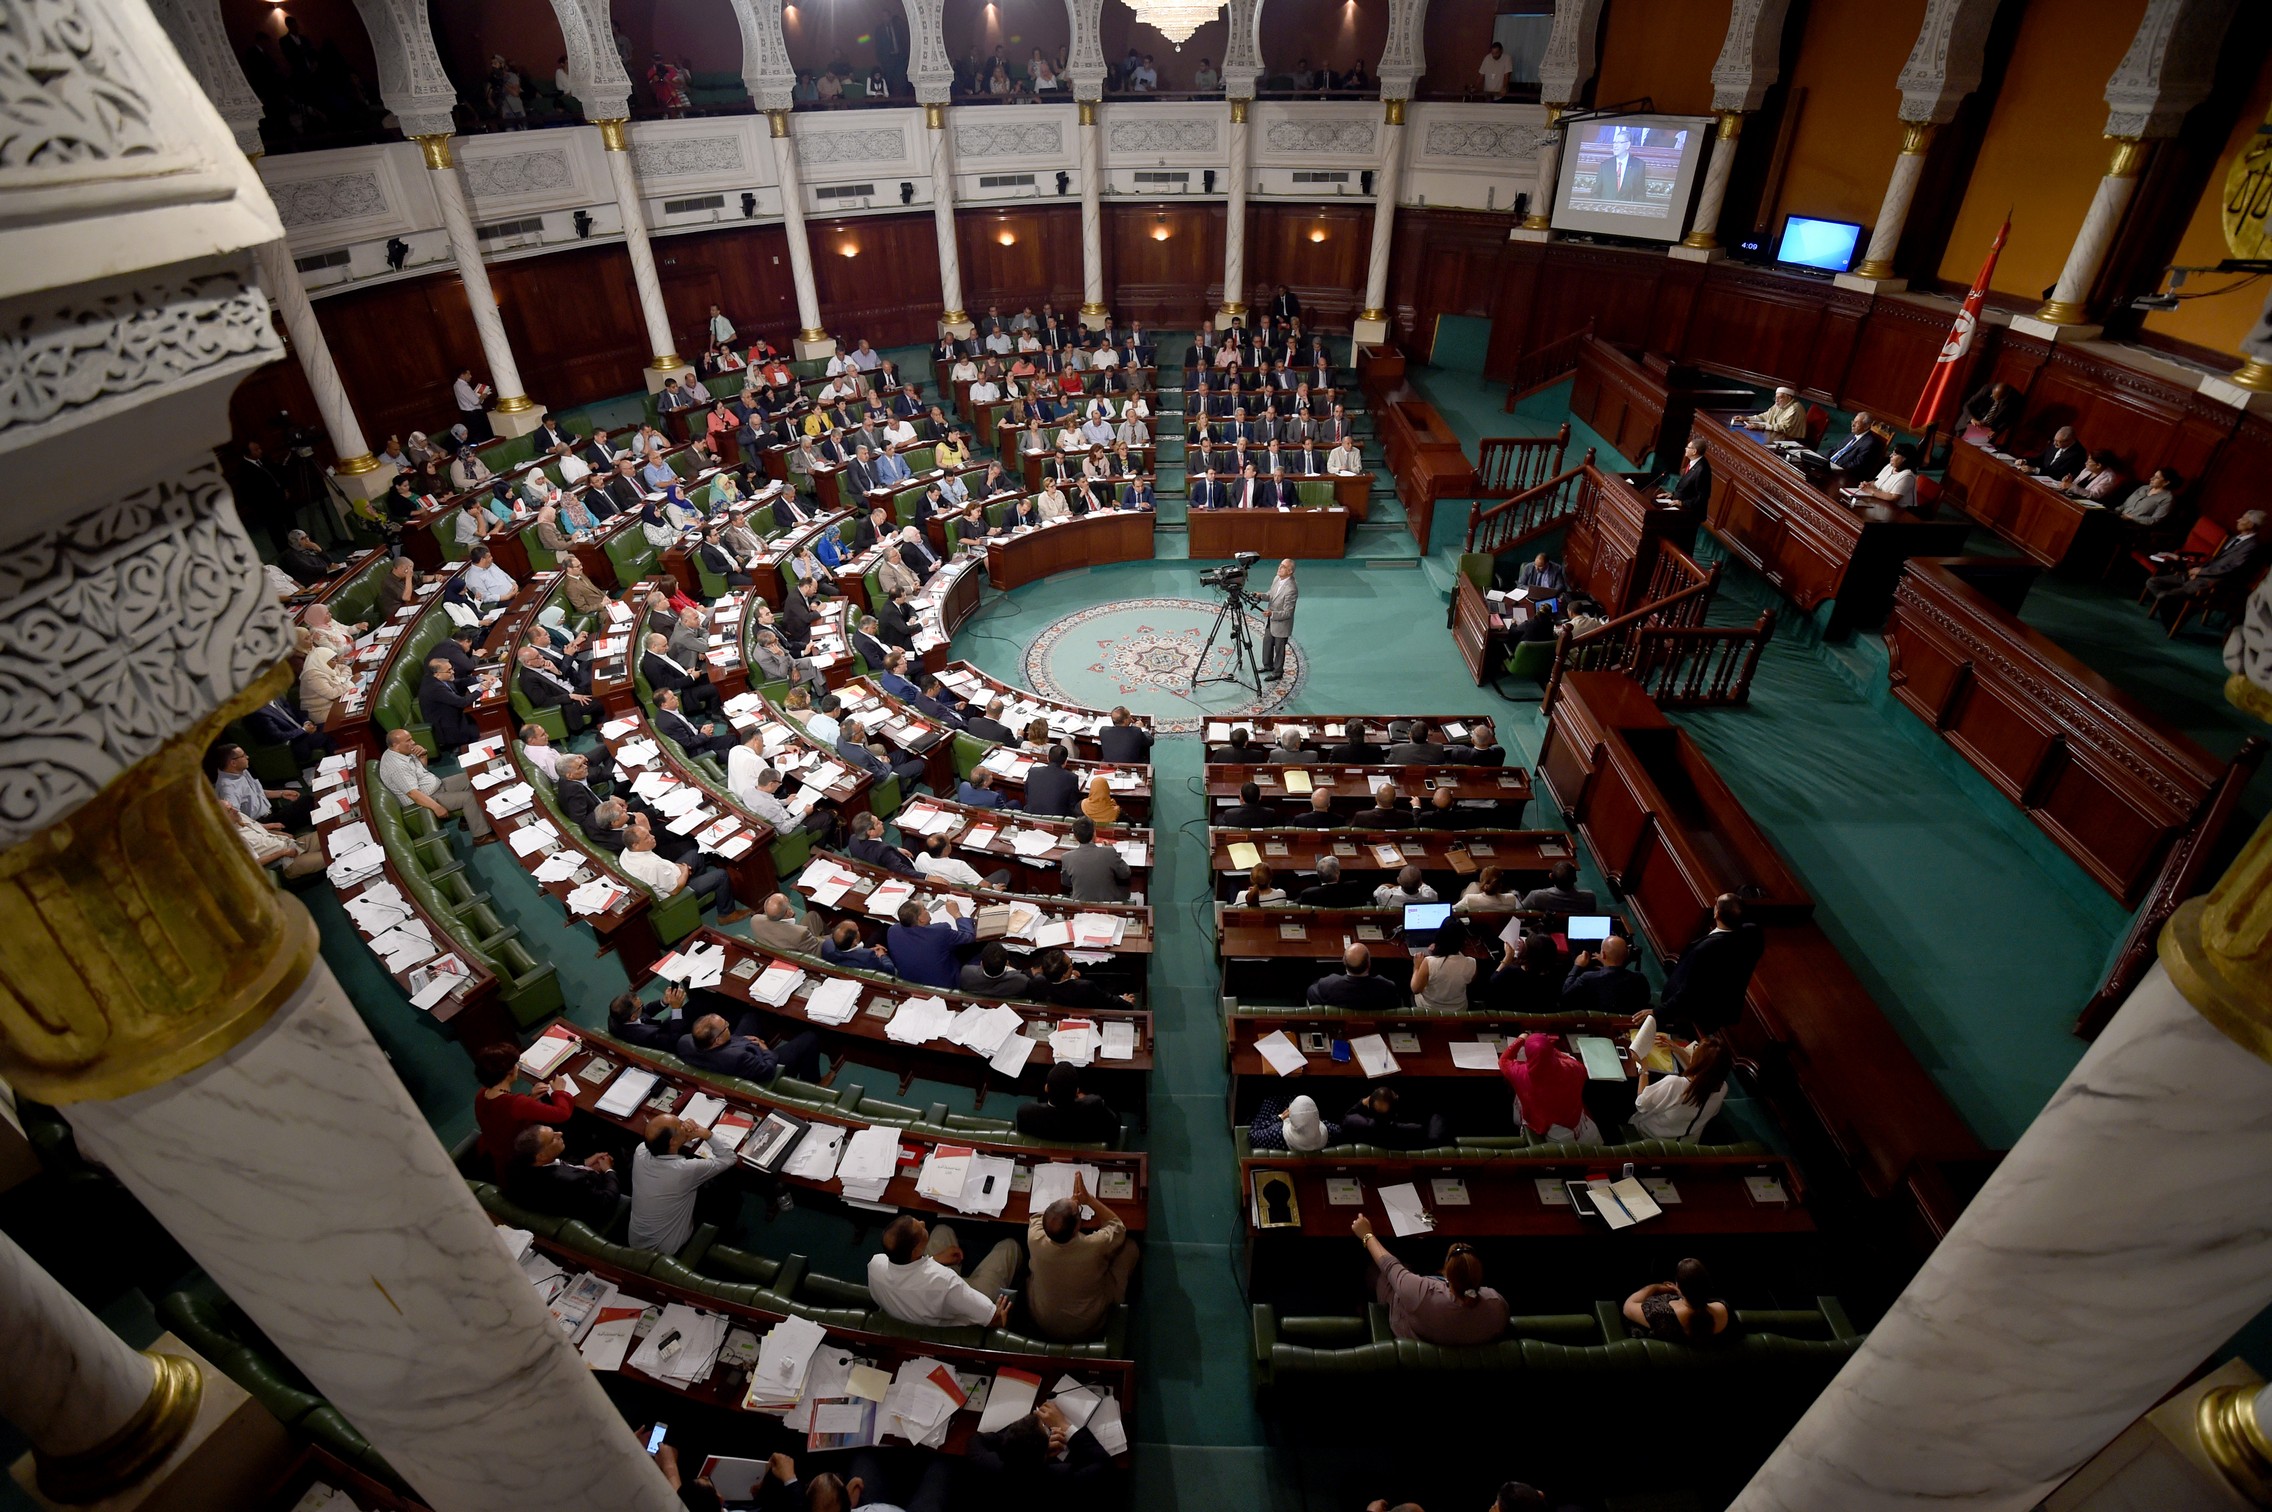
<point x="197" y="33"/>
<point x="305" y="203"/>
<point x="767" y="72"/>
<point x="1403" y="57"/>
<point x="1183" y="135"/>
<point x="880" y="146"/>
<point x="1340" y="139"/>
<point x="595" y="69"/>
<point x="1502" y="141"/>
<point x="119" y="632"/>
<point x="1084" y="59"/>
<point x="70" y="94"/>
<point x="2169" y="67"/>
<point x="84" y="347"/>
<point x="513" y="174"/>
<point x="1242" y="47"/>
<point x="1009" y="138"/>
<point x="1569" y="60"/>
<point x="412" y="81"/>
<point x="1946" y="60"/>
<point x="929" y="69"/>
<point x="1750" y="55"/>
<point x="685" y="157"/>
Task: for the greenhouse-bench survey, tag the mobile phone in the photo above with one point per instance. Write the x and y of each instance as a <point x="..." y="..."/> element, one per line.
<point x="655" y="1438"/>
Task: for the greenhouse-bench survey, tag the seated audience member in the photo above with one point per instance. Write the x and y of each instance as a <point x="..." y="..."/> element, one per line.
<point x="1407" y="888"/>
<point x="1038" y="1460"/>
<point x="2236" y="558"/>
<point x="1481" y="748"/>
<point x="870" y="1481"/>
<point x="1451" y="1308"/>
<point x="1249" y="812"/>
<point x="1050" y="789"/>
<point x="1606" y="982"/>
<point x="1442" y="812"/>
<point x="1372" y="1119"/>
<point x="1332" y="889"/>
<point x="2149" y="503"/>
<point x="667" y="1176"/>
<point x="916" y="1279"/>
<point x="537" y="1178"/>
<point x="1990" y="411"/>
<point x="1860" y="452"/>
<point x="1319" y="815"/>
<point x="1550" y="1089"/>
<point x="1094" y="872"/>
<point x="1442" y="978"/>
<point x="1682" y="1105"/>
<point x="844" y="947"/>
<point x="937" y="859"/>
<point x="1100" y="807"/>
<point x="1896" y="482"/>
<point x="1388" y="811"/>
<point x="1124" y="741"/>
<point x="1064" y="1114"/>
<point x="627" y="1020"/>
<point x="1529" y="978"/>
<point x="1418" y="748"/>
<point x="868" y="844"/>
<point x="710" y="1046"/>
<point x="667" y="878"/>
<point x="1296" y="1126"/>
<point x="291" y="856"/>
<point x="1492" y="891"/>
<point x="1077" y="1275"/>
<point x="1682" y="1310"/>
<point x="2063" y="458"/>
<point x="1057" y="980"/>
<point x="1237" y="753"/>
<point x="1259" y="891"/>
<point x="1563" y="894"/>
<point x="990" y="975"/>
<point x="444" y="705"/>
<point x="1705" y="986"/>
<point x="1288" y="751"/>
<point x="2099" y="479"/>
<point x="403" y="772"/>
<point x="778" y="928"/>
<point x="500" y="1113"/>
<point x="1785" y="419"/>
<point x="927" y="952"/>
<point x="281" y="809"/>
<point x="1355" y="986"/>
<point x="977" y="791"/>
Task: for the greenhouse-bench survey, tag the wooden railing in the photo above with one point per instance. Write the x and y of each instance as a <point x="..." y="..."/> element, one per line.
<point x="1516" y="464"/>
<point x="1543" y="367"/>
<point x="1544" y="506"/>
<point x="1616" y="645"/>
<point x="1699" y="666"/>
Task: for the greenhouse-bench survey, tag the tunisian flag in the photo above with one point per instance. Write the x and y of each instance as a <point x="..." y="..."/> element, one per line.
<point x="1942" y="379"/>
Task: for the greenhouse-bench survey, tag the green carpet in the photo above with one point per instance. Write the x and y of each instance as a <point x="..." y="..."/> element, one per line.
<point x="1146" y="654"/>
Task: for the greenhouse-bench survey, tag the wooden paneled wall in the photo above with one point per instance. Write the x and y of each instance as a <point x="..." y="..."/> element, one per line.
<point x="1163" y="263"/>
<point x="1020" y="255"/>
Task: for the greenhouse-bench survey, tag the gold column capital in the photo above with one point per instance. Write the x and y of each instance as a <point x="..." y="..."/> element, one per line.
<point x="1731" y="125"/>
<point x="138" y="938"/>
<point x="615" y="134"/>
<point x="949" y="318"/>
<point x="935" y="116"/>
<point x="2129" y="156"/>
<point x="436" y="149"/>
<point x="2255" y="375"/>
<point x="778" y="120"/>
<point x="1238" y="110"/>
<point x="1088" y="112"/>
<point x="2061" y="312"/>
<point x="140" y="1446"/>
<point x="1917" y="137"/>
<point x="2218" y="949"/>
<point x="1392" y="112"/>
<point x="2225" y="1422"/>
<point x="1094" y="309"/>
<point x="811" y="334"/>
<point x="1554" y="113"/>
<point x="668" y="362"/>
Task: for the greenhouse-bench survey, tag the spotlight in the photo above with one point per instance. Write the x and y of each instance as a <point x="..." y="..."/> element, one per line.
<point x="1207" y="182"/>
<point x="906" y="193"/>
<point x="583" y="224"/>
<point x="398" y="253"/>
<point x="749" y="206"/>
<point x="1064" y="182"/>
<point x="1365" y="181"/>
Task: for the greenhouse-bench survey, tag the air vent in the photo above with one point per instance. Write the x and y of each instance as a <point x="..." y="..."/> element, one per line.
<point x="533" y="226"/>
<point x="318" y="261"/>
<point x="1308" y="176"/>
<point x="1005" y="181"/>
<point x="846" y="191"/>
<point x="710" y="202"/>
<point x="1151" y="176"/>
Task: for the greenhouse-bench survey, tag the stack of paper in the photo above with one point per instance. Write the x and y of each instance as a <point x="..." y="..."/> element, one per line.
<point x="596" y="896"/>
<point x="1279" y="1050"/>
<point x="683" y="1345"/>
<point x="557" y="867"/>
<point x="783" y="1358"/>
<point x="696" y="965"/>
<point x="1073" y="1042"/>
<point x="1012" y="1398"/>
<point x="630" y="1090"/>
<point x="922" y="1399"/>
<point x="1474" y="1055"/>
<point x="920" y="1020"/>
<point x="884" y="901"/>
<point x="1055" y="1179"/>
<point x="777" y="984"/>
<point x="552" y="1047"/>
<point x="983" y="1028"/>
<point x="833" y="1000"/>
<point x="944" y="1171"/>
<point x="533" y="837"/>
<point x="986" y="1185"/>
<point x="1033" y="842"/>
<point x="1096" y="931"/>
<point x="1011" y="1055"/>
<point x="870" y="1158"/>
<point x="814" y="1158"/>
<point x="1119" y="1040"/>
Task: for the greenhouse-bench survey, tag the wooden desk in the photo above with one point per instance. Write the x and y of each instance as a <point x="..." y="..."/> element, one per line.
<point x="2100" y="774"/>
<point x="1423" y="453"/>
<point x="948" y="597"/>
<point x="1506" y="787"/>
<point x="1131" y="784"/>
<point x="639" y="751"/>
<point x="1665" y="829"/>
<point x="1611" y="548"/>
<point x="1527" y="854"/>
<point x="1137" y="942"/>
<point x="801" y="758"/>
<point x="1642" y="404"/>
<point x="1308" y="533"/>
<point x="1320" y="731"/>
<point x="1259" y="934"/>
<point x="1030" y="465"/>
<point x="1073" y="725"/>
<point x="1036" y="874"/>
<point x="2052" y="527"/>
<point x="1120" y="535"/>
<point x="1805" y="539"/>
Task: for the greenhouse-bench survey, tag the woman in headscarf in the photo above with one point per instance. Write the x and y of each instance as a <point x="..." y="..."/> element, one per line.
<point x="679" y="509"/>
<point x="1550" y="1089"/>
<point x="1298" y="1126"/>
<point x="322" y="683"/>
<point x="655" y="521"/>
<point x="421" y="451"/>
<point x="576" y="516"/>
<point x="1099" y="807"/>
<point x="500" y="502"/>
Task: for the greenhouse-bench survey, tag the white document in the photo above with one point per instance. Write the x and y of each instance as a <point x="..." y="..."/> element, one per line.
<point x="1106" y="1427"/>
<point x="833" y="1000"/>
<point x="1279" y="1049"/>
<point x="1407" y="1215"/>
<point x="871" y="1154"/>
<point x="530" y="838"/>
<point x="986" y="1185"/>
<point x="1119" y="1041"/>
<point x="1010" y="1059"/>
<point x="1373" y="1055"/>
<point x="1054" y="1179"/>
<point x="1474" y="1055"/>
<point x="785" y="1355"/>
<point x="777" y="984"/>
<point x="629" y="1091"/>
<point x="557" y="867"/>
<point x="1011" y="1399"/>
<point x="1073" y="1042"/>
<point x="814" y="1159"/>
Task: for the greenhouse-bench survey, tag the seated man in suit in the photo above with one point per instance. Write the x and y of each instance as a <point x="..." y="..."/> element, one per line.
<point x="977" y="791"/>
<point x="543" y="686"/>
<point x="894" y="679"/>
<point x="1860" y="452"/>
<point x="300" y="558"/>
<point x="1355" y="987"/>
<point x="2236" y="559"/>
<point x="895" y="620"/>
<point x="1333" y="890"/>
<point x="867" y="642"/>
<point x="691" y="684"/>
<point x="1388" y="811"/>
<point x="697" y="740"/>
<point x="2063" y="458"/>
<point x="628" y="1021"/>
<point x="719" y="562"/>
<point x="1442" y="812"/>
<point x="537" y="1178"/>
<point x="1543" y="577"/>
<point x="868" y="844"/>
<point x="1064" y="1114"/>
<point x="1124" y="740"/>
<point x="988" y="724"/>
<point x="1250" y="812"/>
<point x="1319" y="815"/>
<point x="1480" y="748"/>
<point x="1354" y="749"/>
<point x="926" y="952"/>
<point x="1564" y="896"/>
<point x="934" y="701"/>
<point x="1050" y="788"/>
<point x="1604" y="984"/>
<point x="1704" y="988"/>
<point x="1289" y="750"/>
<point x="853" y="746"/>
<point x="1241" y="750"/>
<point x="1416" y="749"/>
<point x="446" y="707"/>
<point x="740" y="1051"/>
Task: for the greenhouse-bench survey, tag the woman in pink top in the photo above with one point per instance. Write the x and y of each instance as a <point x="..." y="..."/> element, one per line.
<point x="1452" y="1308"/>
<point x="1550" y="1088"/>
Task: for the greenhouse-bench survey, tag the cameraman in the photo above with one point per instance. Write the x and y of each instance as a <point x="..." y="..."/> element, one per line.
<point x="1279" y="628"/>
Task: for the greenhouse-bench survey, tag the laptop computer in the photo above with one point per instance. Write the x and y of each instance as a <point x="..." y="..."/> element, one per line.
<point x="1422" y="921"/>
<point x="1585" y="930"/>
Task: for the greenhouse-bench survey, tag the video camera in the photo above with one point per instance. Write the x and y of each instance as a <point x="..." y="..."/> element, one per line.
<point x="1231" y="579"/>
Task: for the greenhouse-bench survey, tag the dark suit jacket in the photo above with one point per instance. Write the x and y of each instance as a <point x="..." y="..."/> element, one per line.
<point x="445" y="709"/>
<point x="660" y="674"/>
<point x="1248" y="816"/>
<point x="1693" y="486"/>
<point x="2058" y="462"/>
<point x="736" y="1057"/>
<point x="1706" y="985"/>
<point x="1124" y="743"/>
<point x="1600" y="989"/>
<point x="1865" y="460"/>
<point x="869" y="649"/>
<point x="1367" y="992"/>
<point x="1052" y="790"/>
<point x="877" y="853"/>
<point x="1380" y="818"/>
<point x="987" y="729"/>
<point x="1342" y="894"/>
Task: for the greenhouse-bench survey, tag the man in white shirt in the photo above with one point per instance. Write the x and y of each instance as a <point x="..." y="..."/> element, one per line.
<point x="1146" y="78"/>
<point x="935" y="861"/>
<point x="1785" y="419"/>
<point x="665" y="1182"/>
<point x="985" y="391"/>
<point x="822" y="722"/>
<point x="721" y="329"/>
<point x="488" y="583"/>
<point x="1105" y="357"/>
<point x="999" y="343"/>
<point x="915" y="1279"/>
<point x="1345" y="460"/>
<point x="667" y="878"/>
<point x="540" y="752"/>
<point x="1096" y="433"/>
<point x="473" y="405"/>
<point x="1495" y="69"/>
<point x="402" y="772"/>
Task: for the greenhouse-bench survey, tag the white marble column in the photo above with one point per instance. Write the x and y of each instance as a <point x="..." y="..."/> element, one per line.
<point x="1876" y="267"/>
<point x="1538" y="222"/>
<point x="1702" y="243"/>
<point x="2064" y="315"/>
<point x="516" y="414"/>
<point x="357" y="470"/>
<point x="2125" y="1238"/>
<point x="301" y="1176"/>
<point x="952" y="316"/>
<point x="811" y="341"/>
<point x="1372" y="321"/>
<point x="615" y="143"/>
<point x="1234" y="219"/>
<point x="1093" y="312"/>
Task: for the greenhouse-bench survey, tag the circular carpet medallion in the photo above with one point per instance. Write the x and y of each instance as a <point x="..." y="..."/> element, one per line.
<point x="1140" y="653"/>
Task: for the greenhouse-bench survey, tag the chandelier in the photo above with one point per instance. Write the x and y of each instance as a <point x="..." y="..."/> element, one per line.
<point x="1176" y="20"/>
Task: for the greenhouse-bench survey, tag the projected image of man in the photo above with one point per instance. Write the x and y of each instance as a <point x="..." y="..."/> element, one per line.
<point x="1624" y="176"/>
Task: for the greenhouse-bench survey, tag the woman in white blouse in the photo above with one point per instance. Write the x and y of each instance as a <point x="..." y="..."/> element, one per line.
<point x="1680" y="1106"/>
<point x="1258" y="892"/>
<point x="1896" y="482"/>
<point x="1052" y="503"/>
<point x="1069" y="439"/>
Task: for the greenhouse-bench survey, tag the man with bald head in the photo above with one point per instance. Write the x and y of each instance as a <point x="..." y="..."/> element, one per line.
<point x="743" y="1052"/>
<point x="779" y="928"/>
<point x="1355" y="985"/>
<point x="1605" y="983"/>
<point x="1076" y="1274"/>
<point x="668" y="1171"/>
<point x="1319" y="815"/>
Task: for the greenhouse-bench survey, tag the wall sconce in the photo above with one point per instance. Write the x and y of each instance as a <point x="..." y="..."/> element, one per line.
<point x="1160" y="231"/>
<point x="1317" y="233"/>
<point x="848" y="250"/>
<point x="1008" y="238"/>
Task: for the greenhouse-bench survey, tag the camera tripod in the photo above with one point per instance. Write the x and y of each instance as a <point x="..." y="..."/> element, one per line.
<point x="1232" y="612"/>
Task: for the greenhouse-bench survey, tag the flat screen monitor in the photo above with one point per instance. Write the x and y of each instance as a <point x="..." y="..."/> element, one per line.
<point x="1630" y="175"/>
<point x="1422" y="920"/>
<point x="1589" y="927"/>
<point x="1825" y="244"/>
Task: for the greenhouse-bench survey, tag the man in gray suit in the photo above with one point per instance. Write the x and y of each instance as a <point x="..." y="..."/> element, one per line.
<point x="1094" y="873"/>
<point x="1279" y="629"/>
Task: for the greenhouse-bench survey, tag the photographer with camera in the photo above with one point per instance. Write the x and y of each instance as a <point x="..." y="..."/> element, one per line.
<point x="1279" y="627"/>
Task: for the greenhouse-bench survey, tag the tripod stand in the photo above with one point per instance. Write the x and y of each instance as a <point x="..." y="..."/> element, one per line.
<point x="1232" y="612"/>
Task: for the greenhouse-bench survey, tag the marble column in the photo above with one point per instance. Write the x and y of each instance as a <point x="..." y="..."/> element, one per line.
<point x="2065" y="307"/>
<point x="98" y="1414"/>
<point x="1093" y="313"/>
<point x="1234" y="219"/>
<point x="1893" y="215"/>
<point x="615" y="142"/>
<point x="515" y="414"/>
<point x="811" y="341"/>
<point x="2123" y="1240"/>
<point x="357" y="471"/>
<point x="952" y="317"/>
<point x="1372" y="319"/>
<point x="1537" y="224"/>
<point x="1704" y="232"/>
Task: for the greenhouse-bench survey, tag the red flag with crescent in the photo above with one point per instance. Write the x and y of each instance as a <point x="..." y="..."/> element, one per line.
<point x="1942" y="381"/>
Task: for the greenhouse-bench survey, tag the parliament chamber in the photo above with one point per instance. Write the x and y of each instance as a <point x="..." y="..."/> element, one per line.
<point x="918" y="755"/>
